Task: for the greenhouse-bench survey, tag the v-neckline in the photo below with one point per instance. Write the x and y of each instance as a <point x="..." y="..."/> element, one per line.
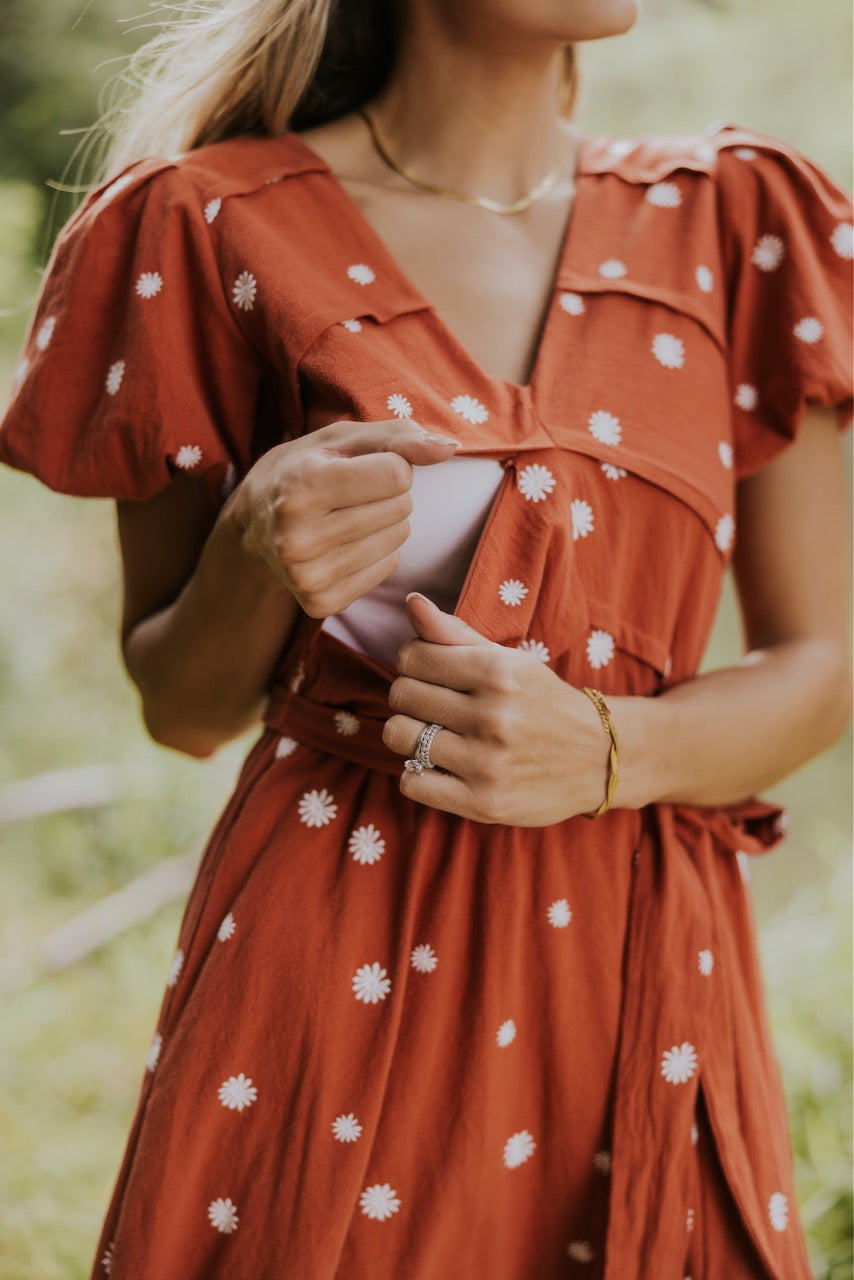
<point x="394" y="270"/>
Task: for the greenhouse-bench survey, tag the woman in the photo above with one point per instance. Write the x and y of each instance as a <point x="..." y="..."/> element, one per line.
<point x="392" y="326"/>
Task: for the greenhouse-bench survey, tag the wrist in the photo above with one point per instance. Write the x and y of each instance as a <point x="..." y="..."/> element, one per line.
<point x="643" y="735"/>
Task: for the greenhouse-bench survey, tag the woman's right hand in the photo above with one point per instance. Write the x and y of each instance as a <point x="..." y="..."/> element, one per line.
<point x="327" y="513"/>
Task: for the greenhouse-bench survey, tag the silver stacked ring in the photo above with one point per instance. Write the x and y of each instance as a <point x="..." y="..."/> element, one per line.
<point x="421" y="755"/>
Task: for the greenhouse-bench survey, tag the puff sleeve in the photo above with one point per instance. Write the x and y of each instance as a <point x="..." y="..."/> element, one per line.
<point x="787" y="246"/>
<point x="133" y="364"/>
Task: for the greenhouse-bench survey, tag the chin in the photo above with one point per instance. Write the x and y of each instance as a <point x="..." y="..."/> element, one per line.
<point x="593" y="19"/>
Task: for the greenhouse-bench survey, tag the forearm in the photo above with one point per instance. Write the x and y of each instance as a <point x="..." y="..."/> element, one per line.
<point x="722" y="737"/>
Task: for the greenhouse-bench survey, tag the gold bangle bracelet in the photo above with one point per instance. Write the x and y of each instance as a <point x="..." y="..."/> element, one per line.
<point x="613" y="764"/>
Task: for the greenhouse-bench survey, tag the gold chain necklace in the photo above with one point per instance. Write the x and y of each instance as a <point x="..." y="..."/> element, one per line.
<point x="543" y="187"/>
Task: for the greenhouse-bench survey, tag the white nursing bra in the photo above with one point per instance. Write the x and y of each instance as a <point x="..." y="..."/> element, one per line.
<point x="451" y="501"/>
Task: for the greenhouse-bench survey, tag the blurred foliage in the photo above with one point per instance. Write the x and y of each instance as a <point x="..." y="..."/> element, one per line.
<point x="74" y="1044"/>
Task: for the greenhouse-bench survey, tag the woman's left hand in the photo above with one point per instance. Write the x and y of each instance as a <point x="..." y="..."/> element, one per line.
<point x="518" y="745"/>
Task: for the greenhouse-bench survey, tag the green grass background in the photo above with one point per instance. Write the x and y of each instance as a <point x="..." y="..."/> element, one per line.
<point x="74" y="1044"/>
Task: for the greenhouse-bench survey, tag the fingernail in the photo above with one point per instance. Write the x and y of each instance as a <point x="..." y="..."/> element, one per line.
<point x="416" y="595"/>
<point x="435" y="438"/>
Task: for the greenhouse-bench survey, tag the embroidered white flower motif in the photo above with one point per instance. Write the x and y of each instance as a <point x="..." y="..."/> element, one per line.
<point x="581" y="515"/>
<point x="689" y="1220"/>
<point x="604" y="427"/>
<point x="724" y="532"/>
<point x="778" y="1211"/>
<point x="285" y="747"/>
<point x="746" y="153"/>
<point x="149" y="284"/>
<point x="725" y="454"/>
<point x="600" y="649"/>
<point x="842" y="240"/>
<point x="352" y="326"/>
<point x="297" y="680"/>
<point x="743" y="861"/>
<point x="768" y="252"/>
<point x="366" y="845"/>
<point x="580" y="1251"/>
<point x="512" y="591"/>
<point x="237" y="1092"/>
<point x="360" y="273"/>
<point x="669" y="350"/>
<point x="559" y="913"/>
<point x="223" y="1215"/>
<point x="782" y="823"/>
<point x="113" y="381"/>
<point x="115" y="187"/>
<point x="188" y="456"/>
<point x="107" y="1260"/>
<point x="746" y="397"/>
<point x="809" y="330"/>
<point x="535" y="482"/>
<point x="611" y="472"/>
<point x="317" y="808"/>
<point x="346" y="724"/>
<point x="518" y="1148"/>
<point x="506" y="1033"/>
<point x="620" y="147"/>
<point x="664" y="195"/>
<point x="371" y="983"/>
<point x="612" y="269"/>
<point x="705" y="962"/>
<point x="346" y="1128"/>
<point x="176" y="157"/>
<point x="212" y="208"/>
<point x="424" y="958"/>
<point x="695" y="1134"/>
<point x="679" y="1063"/>
<point x="175" y="968"/>
<point x="536" y="648"/>
<point x="705" y="279"/>
<point x="154" y="1051"/>
<point x="21" y="372"/>
<point x="602" y="1162"/>
<point x="45" y="332"/>
<point x="379" y="1201"/>
<point x="399" y="405"/>
<point x="244" y="290"/>
<point x="227" y="928"/>
<point x="706" y="152"/>
<point x="572" y="304"/>
<point x="470" y="409"/>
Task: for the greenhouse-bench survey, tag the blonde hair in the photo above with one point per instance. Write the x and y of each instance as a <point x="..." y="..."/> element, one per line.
<point x="228" y="67"/>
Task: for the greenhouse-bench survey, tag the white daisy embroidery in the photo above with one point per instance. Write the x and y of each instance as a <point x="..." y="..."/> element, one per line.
<point x="424" y="958"/>
<point x="602" y="1162"/>
<point x="227" y="928"/>
<point x="518" y="1148"/>
<point x="346" y="1128"/>
<point x="45" y="332"/>
<point x="244" y="291"/>
<point x="361" y="273"/>
<point x="317" y="808"/>
<point x="743" y="861"/>
<point x="724" y="532"/>
<point x="620" y="147"/>
<point x="580" y="1251"/>
<point x="842" y="240"/>
<point x="115" y="187"/>
<point x="346" y="724"/>
<point x="611" y="472"/>
<point x="612" y="269"/>
<point x="536" y="648"/>
<point x="705" y="962"/>
<point x="371" y="983"/>
<point x="705" y="279"/>
<point x="669" y="350"/>
<point x="535" y="482"/>
<point x="746" y="153"/>
<point x="379" y="1202"/>
<point x="113" y="381"/>
<point x="679" y="1063"/>
<point x="746" y="397"/>
<point x="768" y="252"/>
<point x="175" y="968"/>
<point x="188" y="456"/>
<point x="237" y="1092"/>
<point x="285" y="747"/>
<point x="689" y="1220"/>
<point x="581" y="515"/>
<point x="695" y="1134"/>
<point x="399" y="405"/>
<point x="352" y="326"/>
<point x="366" y="845"/>
<point x="725" y="454"/>
<point x="600" y="649"/>
<point x="664" y="195"/>
<point x="559" y="914"/>
<point x="154" y="1051"/>
<point x="778" y="1211"/>
<point x="470" y="409"/>
<point x="506" y="1033"/>
<point x="107" y="1260"/>
<point x="809" y="330"/>
<point x="706" y="152"/>
<point x="572" y="304"/>
<point x="212" y="208"/>
<point x="782" y="823"/>
<point x="149" y="284"/>
<point x="222" y="1214"/>
<point x="604" y="427"/>
<point x="512" y="591"/>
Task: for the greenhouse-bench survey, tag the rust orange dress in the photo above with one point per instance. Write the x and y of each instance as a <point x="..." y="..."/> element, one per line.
<point x="397" y="1045"/>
